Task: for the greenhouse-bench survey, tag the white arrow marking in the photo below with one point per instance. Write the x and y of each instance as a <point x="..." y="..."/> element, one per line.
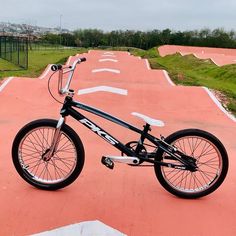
<point x="108" y="55"/>
<point x="108" y="59"/>
<point x="103" y="89"/>
<point x="106" y="70"/>
<point x="87" y="228"/>
<point x="111" y="53"/>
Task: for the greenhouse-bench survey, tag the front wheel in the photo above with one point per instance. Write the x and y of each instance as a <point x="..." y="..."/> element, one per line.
<point x="211" y="159"/>
<point x="31" y="145"/>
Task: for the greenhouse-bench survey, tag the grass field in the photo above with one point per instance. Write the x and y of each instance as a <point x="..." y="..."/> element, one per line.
<point x="189" y="70"/>
<point x="38" y="60"/>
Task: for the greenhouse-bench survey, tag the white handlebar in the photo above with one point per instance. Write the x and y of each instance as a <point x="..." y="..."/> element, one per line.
<point x="65" y="90"/>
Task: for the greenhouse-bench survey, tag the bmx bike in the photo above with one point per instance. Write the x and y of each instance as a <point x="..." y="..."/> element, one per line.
<point x="49" y="154"/>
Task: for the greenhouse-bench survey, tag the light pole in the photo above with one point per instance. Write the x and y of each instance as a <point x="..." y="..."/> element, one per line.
<point x="60" y="29"/>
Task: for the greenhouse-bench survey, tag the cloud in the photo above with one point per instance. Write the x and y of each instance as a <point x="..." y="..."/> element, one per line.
<point x="123" y="14"/>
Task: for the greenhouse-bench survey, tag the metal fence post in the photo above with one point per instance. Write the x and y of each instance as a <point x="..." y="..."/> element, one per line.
<point x="15" y="50"/>
<point x="5" y="53"/>
<point x="18" y="51"/>
<point x="0" y="47"/>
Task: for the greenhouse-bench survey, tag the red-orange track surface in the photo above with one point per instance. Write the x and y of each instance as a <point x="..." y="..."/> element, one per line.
<point x="128" y="199"/>
<point x="219" y="56"/>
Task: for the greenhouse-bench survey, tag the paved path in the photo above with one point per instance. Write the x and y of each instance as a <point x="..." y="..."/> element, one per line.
<point x="219" y="56"/>
<point x="127" y="199"/>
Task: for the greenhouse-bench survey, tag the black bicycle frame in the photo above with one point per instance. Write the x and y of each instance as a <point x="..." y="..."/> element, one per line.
<point x="68" y="110"/>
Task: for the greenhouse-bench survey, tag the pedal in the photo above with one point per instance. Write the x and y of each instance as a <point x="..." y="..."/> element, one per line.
<point x="107" y="162"/>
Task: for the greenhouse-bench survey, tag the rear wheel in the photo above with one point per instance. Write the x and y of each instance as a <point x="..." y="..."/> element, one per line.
<point x="211" y="159"/>
<point x="29" y="150"/>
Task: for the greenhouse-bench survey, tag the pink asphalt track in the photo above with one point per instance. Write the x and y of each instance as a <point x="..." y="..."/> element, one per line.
<point x="128" y="199"/>
<point x="219" y="56"/>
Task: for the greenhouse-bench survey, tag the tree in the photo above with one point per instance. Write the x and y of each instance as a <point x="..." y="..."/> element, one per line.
<point x="146" y="40"/>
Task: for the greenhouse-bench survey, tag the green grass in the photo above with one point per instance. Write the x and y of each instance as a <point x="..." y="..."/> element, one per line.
<point x="38" y="60"/>
<point x="5" y="65"/>
<point x="189" y="70"/>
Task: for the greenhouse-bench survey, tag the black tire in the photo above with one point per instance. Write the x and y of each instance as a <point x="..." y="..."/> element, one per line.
<point x="33" y="141"/>
<point x="212" y="162"/>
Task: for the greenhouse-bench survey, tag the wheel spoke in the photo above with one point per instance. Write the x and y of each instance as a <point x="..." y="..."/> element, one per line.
<point x="35" y="145"/>
<point x="208" y="160"/>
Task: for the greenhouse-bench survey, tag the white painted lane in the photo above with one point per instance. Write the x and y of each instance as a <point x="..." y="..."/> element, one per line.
<point x="103" y="89"/>
<point x="218" y="104"/>
<point x="87" y="228"/>
<point x="168" y="78"/>
<point x="5" y="83"/>
<point x="108" y="55"/>
<point x="69" y="60"/>
<point x="147" y="64"/>
<point x="108" y="59"/>
<point x="106" y="70"/>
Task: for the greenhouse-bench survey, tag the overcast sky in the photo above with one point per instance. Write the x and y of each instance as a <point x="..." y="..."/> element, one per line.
<point x="122" y="14"/>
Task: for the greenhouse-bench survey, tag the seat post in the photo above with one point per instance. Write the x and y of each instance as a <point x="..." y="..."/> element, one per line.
<point x="143" y="136"/>
<point x="146" y="128"/>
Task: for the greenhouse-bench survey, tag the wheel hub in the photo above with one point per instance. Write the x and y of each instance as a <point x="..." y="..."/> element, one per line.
<point x="47" y="155"/>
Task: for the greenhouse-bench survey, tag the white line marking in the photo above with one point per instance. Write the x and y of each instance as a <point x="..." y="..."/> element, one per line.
<point x="5" y="83"/>
<point x="108" y="55"/>
<point x="206" y="59"/>
<point x="168" y="78"/>
<point x="68" y="61"/>
<point x="198" y="57"/>
<point x="147" y="64"/>
<point x="210" y="58"/>
<point x="103" y="89"/>
<point x="194" y="54"/>
<point x="215" y="62"/>
<point x="87" y="228"/>
<point x="215" y="100"/>
<point x="45" y="72"/>
<point x="108" y="59"/>
<point x="106" y="70"/>
<point x="80" y="54"/>
<point x="183" y="53"/>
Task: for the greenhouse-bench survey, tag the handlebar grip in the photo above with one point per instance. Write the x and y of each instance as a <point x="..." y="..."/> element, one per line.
<point x="56" y="67"/>
<point x="82" y="59"/>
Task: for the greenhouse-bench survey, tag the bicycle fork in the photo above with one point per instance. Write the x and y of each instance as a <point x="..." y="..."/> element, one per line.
<point x="55" y="141"/>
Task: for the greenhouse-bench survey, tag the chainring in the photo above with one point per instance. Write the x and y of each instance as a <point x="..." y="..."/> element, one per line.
<point x="132" y="146"/>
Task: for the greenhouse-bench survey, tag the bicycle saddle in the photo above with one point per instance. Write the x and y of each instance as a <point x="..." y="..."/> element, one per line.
<point x="150" y="121"/>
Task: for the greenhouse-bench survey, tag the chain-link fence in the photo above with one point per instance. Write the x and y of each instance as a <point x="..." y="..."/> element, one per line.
<point x="15" y="50"/>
